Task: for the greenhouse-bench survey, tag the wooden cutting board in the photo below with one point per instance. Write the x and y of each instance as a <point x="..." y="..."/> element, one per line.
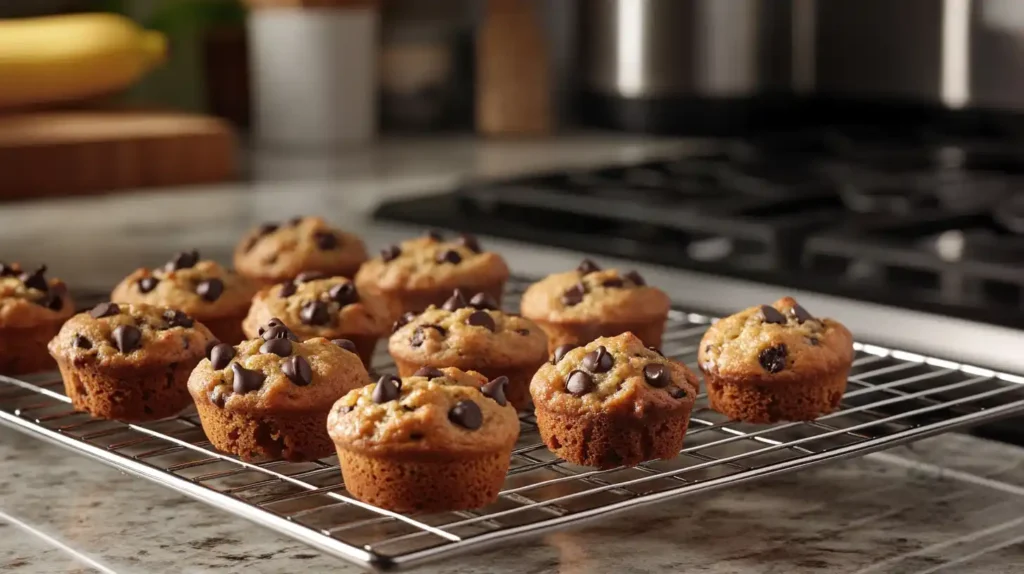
<point x="96" y="151"/>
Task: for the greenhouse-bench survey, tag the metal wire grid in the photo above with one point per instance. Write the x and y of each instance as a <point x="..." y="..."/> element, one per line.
<point x="893" y="397"/>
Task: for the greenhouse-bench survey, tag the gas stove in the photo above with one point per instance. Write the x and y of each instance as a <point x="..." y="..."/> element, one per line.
<point x="929" y="218"/>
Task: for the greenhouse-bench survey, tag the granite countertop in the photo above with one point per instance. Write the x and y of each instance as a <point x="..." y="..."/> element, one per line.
<point x="947" y="504"/>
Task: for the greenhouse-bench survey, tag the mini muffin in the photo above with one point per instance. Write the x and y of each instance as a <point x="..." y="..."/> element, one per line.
<point x="129" y="362"/>
<point x="269" y="397"/>
<point x="273" y="253"/>
<point x="613" y="402"/>
<point x="472" y="335"/>
<point x="329" y="307"/>
<point x="772" y="363"/>
<point x="427" y="443"/>
<point x="422" y="272"/>
<point x="32" y="309"/>
<point x="578" y="306"/>
<point x="204" y="290"/>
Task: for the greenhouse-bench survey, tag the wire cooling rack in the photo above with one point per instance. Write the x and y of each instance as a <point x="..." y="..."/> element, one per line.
<point x="893" y="397"/>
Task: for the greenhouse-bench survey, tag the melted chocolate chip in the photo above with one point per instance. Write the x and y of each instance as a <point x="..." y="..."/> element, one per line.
<point x="298" y="371"/>
<point x="560" y="352"/>
<point x="183" y="260"/>
<point x="483" y="301"/>
<point x="246" y="380"/>
<point x="279" y="347"/>
<point x="314" y="313"/>
<point x="657" y="375"/>
<point x="344" y="294"/>
<point x="587" y="267"/>
<point x="466" y="414"/>
<point x="105" y="310"/>
<point x="36" y="279"/>
<point x="598" y="361"/>
<point x="495" y="389"/>
<point x="481" y="319"/>
<point x="469" y="242"/>
<point x="613" y="283"/>
<point x="176" y="318"/>
<point x="389" y="388"/>
<point x="801" y="314"/>
<point x="325" y="240"/>
<point x="287" y="290"/>
<point x="80" y="342"/>
<point x="127" y="338"/>
<point x="813" y="341"/>
<point x="390" y="253"/>
<point x="345" y="344"/>
<point x="209" y="347"/>
<point x="402" y="321"/>
<point x="771" y="315"/>
<point x="455" y="302"/>
<point x="273" y="322"/>
<point x="448" y="256"/>
<point x="677" y="393"/>
<point x="420" y="334"/>
<point x="210" y="289"/>
<point x="279" y="332"/>
<point x="435" y="235"/>
<point x="573" y="295"/>
<point x="307" y="276"/>
<point x="218" y="399"/>
<point x="635" y="278"/>
<point x="428" y="372"/>
<point x="579" y="383"/>
<point x="147" y="284"/>
<point x="523" y="332"/>
<point x="773" y="359"/>
<point x="221" y="355"/>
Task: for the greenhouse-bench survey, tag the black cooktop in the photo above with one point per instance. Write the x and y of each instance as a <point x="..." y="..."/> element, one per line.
<point x="927" y="218"/>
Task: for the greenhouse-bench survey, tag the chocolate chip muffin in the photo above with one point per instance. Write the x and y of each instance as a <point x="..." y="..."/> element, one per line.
<point x="277" y="252"/>
<point x="269" y="397"/>
<point x="578" y="306"/>
<point x="32" y="309"/>
<point x="613" y="402"/>
<point x="472" y="335"/>
<point x="129" y="362"/>
<point x="422" y="272"/>
<point x="200" y="288"/>
<point x="439" y="440"/>
<point x="771" y="363"/>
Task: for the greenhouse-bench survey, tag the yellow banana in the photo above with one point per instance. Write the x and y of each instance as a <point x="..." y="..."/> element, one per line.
<point x="65" y="58"/>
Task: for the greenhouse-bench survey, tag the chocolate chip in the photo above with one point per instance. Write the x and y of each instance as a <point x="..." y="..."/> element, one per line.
<point x="657" y="376"/>
<point x="147" y="284"/>
<point x="496" y="390"/>
<point x="801" y="314"/>
<point x="402" y="321"/>
<point x="105" y="310"/>
<point x="419" y="335"/>
<point x="314" y="313"/>
<point x="183" y="260"/>
<point x="325" y="240"/>
<point x="598" y="361"/>
<point x="523" y="332"/>
<point x="429" y="372"/>
<point x="579" y="383"/>
<point x="221" y="355"/>
<point x="389" y="388"/>
<point x="267" y="228"/>
<point x="127" y="338"/>
<point x="481" y="319"/>
<point x="307" y="276"/>
<point x="573" y="295"/>
<point x="587" y="267"/>
<point x="7" y="270"/>
<point x="246" y="380"/>
<point x="813" y="341"/>
<point x="81" y="342"/>
<point x="613" y="283"/>
<point x="273" y="322"/>
<point x="773" y="359"/>
<point x="656" y="350"/>
<point x="466" y="414"/>
<point x="435" y="235"/>
<point x="448" y="256"/>
<point x="279" y="332"/>
<point x="298" y="371"/>
<point x="209" y="347"/>
<point x="390" y="253"/>
<point x="218" y="399"/>
<point x="483" y="301"/>
<point x="635" y="278"/>
<point x="770" y="314"/>
<point x="296" y="221"/>
<point x="279" y="347"/>
<point x="560" y="352"/>
<point x="344" y="294"/>
<point x="455" y="302"/>
<point x="345" y="344"/>
<point x="469" y="242"/>
<point x="287" y="289"/>
<point x="36" y="279"/>
<point x="53" y="302"/>
<point x="677" y="393"/>
<point x="210" y="289"/>
<point x="176" y="318"/>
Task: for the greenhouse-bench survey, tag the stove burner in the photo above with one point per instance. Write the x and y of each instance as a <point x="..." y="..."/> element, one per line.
<point x="1009" y="213"/>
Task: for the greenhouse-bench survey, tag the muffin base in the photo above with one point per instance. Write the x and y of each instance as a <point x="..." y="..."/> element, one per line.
<point x="23" y="350"/>
<point x="294" y="437"/>
<point x="226" y="329"/>
<point x="650" y="332"/>
<point x="774" y="401"/>
<point x="606" y="441"/>
<point x="437" y="485"/>
<point x="517" y="391"/>
<point x="418" y="300"/>
<point x="144" y="393"/>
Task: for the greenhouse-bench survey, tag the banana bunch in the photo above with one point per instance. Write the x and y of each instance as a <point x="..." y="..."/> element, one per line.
<point x="65" y="58"/>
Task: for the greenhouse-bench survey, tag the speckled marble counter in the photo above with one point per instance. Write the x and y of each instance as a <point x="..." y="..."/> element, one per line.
<point x="947" y="504"/>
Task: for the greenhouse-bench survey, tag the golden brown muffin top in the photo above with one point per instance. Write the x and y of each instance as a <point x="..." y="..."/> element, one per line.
<point x="775" y="342"/>
<point x="201" y="288"/>
<point x="613" y="375"/>
<point x="28" y="298"/>
<point x="591" y="294"/>
<point x="431" y="262"/>
<point x="469" y="333"/>
<point x="276" y="373"/>
<point x="436" y="412"/>
<point x="117" y="335"/>
<point x="315" y="306"/>
<point x="277" y="251"/>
